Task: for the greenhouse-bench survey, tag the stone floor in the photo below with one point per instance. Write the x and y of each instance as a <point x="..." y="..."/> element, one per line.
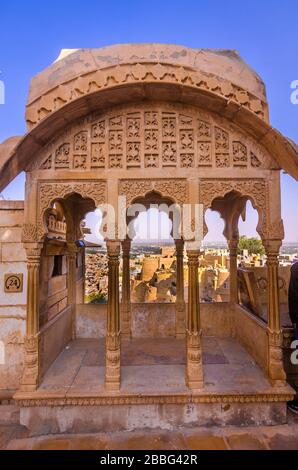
<point x="154" y="365"/>
<point x="230" y="437"/>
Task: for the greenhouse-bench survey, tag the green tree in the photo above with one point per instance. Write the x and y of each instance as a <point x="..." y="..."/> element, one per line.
<point x="96" y="298"/>
<point x="253" y="245"/>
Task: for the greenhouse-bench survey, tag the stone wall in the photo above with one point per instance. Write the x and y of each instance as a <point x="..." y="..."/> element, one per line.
<point x="12" y="304"/>
<point x="155" y="320"/>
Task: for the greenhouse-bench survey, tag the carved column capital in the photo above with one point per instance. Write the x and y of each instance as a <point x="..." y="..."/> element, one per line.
<point x="113" y="248"/>
<point x="33" y="252"/>
<point x="272" y="248"/>
<point x="193" y="257"/>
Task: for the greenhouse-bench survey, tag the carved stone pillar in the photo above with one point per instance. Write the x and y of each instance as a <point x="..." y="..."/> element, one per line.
<point x="30" y="378"/>
<point x="275" y="354"/>
<point x="113" y="318"/>
<point x="233" y="245"/>
<point x="71" y="283"/>
<point x="125" y="301"/>
<point x="180" y="303"/>
<point x="194" y="367"/>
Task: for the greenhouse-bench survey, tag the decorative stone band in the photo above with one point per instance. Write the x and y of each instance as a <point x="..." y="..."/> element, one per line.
<point x="114" y="76"/>
<point x="152" y="400"/>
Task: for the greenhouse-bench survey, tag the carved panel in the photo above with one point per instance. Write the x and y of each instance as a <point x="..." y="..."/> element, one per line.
<point x="222" y="157"/>
<point x="239" y="154"/>
<point x="204" y="154"/>
<point x="80" y="142"/>
<point x="255" y="162"/>
<point x="98" y="159"/>
<point x="62" y="156"/>
<point x="146" y="137"/>
<point x="255" y="189"/>
<point x="48" y="192"/>
<point x="175" y="189"/>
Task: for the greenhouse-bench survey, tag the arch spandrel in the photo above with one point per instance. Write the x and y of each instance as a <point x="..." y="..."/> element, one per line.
<point x="255" y="190"/>
<point x="49" y="192"/>
<point x="175" y="189"/>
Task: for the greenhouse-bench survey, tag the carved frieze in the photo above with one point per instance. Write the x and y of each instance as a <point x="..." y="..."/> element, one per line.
<point x="146" y="137"/>
<point x="121" y="74"/>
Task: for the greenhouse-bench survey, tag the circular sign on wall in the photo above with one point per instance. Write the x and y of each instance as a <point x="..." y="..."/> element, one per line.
<point x="13" y="282"/>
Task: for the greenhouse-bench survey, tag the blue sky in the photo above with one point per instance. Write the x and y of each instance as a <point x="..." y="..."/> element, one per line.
<point x="32" y="33"/>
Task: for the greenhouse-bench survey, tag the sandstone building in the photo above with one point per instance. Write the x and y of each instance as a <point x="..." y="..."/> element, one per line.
<point x="157" y="124"/>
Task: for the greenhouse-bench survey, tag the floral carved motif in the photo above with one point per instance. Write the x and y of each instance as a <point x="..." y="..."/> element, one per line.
<point x="156" y="138"/>
<point x="239" y="154"/>
<point x="211" y="189"/>
<point x="80" y="142"/>
<point x="176" y="189"/>
<point x="255" y="189"/>
<point x="62" y="156"/>
<point x="31" y="232"/>
<point x="48" y="192"/>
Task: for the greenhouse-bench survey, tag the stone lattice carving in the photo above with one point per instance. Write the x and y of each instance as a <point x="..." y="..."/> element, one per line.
<point x="176" y="189"/>
<point x="142" y="137"/>
<point x="121" y="74"/>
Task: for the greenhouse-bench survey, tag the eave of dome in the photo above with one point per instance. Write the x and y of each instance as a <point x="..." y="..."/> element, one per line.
<point x="225" y="64"/>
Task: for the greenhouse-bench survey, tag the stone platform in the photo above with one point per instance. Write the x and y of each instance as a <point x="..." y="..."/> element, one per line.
<point x="72" y="397"/>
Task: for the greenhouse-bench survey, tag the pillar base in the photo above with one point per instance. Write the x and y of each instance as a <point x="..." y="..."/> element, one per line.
<point x="30" y="379"/>
<point x="276" y="370"/>
<point x="194" y="367"/>
<point x="112" y="386"/>
<point x="112" y="380"/>
<point x="113" y="374"/>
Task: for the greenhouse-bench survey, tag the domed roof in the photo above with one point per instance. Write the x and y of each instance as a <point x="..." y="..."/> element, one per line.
<point x="71" y="63"/>
<point x="82" y="81"/>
